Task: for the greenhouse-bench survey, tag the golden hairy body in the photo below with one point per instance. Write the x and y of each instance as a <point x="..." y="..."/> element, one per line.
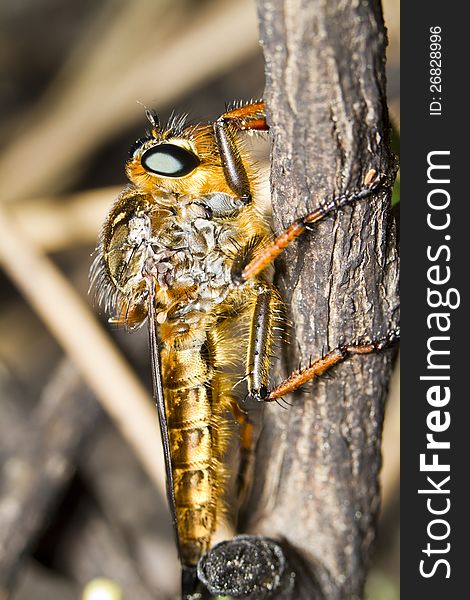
<point x="187" y="235"/>
<point x="188" y="248"/>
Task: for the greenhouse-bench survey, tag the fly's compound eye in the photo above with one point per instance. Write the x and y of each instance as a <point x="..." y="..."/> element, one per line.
<point x="169" y="160"/>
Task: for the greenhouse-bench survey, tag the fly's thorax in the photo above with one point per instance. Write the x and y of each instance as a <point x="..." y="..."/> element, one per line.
<point x="186" y="244"/>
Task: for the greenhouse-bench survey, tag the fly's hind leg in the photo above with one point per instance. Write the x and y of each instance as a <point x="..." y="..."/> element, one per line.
<point x="250" y="117"/>
<point x="267" y="311"/>
<point x="332" y="358"/>
<point x="267" y="314"/>
<point x="247" y="451"/>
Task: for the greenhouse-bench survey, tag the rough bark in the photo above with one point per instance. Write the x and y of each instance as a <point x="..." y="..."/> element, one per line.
<point x="318" y="462"/>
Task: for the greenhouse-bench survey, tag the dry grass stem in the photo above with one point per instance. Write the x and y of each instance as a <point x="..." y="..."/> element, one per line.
<point x="59" y="223"/>
<point x="76" y="330"/>
<point x="97" y="102"/>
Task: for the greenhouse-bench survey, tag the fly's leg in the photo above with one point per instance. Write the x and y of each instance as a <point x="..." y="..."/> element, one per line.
<point x="249" y="266"/>
<point x="247" y="451"/>
<point x="244" y="118"/>
<point x="268" y="254"/>
<point x="247" y="117"/>
<point x="267" y="313"/>
<point x="332" y="358"/>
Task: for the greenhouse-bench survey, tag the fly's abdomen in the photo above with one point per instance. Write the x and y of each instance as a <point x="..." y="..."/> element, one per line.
<point x="187" y="375"/>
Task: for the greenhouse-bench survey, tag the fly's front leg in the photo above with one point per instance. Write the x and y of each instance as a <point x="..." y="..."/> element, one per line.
<point x="248" y="117"/>
<point x="245" y="118"/>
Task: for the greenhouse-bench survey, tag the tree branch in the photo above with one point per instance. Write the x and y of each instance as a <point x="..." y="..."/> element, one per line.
<point x="325" y="93"/>
<point x="317" y="463"/>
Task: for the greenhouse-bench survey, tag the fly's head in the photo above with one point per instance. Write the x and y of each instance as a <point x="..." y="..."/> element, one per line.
<point x="176" y="159"/>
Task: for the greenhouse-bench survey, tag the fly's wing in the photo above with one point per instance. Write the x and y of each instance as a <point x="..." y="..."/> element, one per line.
<point x="160" y="403"/>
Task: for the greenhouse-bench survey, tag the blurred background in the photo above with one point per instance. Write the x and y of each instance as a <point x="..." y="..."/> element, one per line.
<point x="82" y="504"/>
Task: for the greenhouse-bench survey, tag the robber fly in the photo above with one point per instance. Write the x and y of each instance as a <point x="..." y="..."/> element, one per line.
<point x="187" y="247"/>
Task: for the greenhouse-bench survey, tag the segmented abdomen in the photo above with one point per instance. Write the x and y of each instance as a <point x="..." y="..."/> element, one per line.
<point x="193" y="443"/>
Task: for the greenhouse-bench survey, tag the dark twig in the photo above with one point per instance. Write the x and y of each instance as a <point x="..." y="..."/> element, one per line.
<point x="318" y="462"/>
<point x="325" y="93"/>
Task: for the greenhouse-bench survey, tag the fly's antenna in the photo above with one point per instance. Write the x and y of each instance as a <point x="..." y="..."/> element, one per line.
<point x="153" y="118"/>
<point x="151" y="115"/>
